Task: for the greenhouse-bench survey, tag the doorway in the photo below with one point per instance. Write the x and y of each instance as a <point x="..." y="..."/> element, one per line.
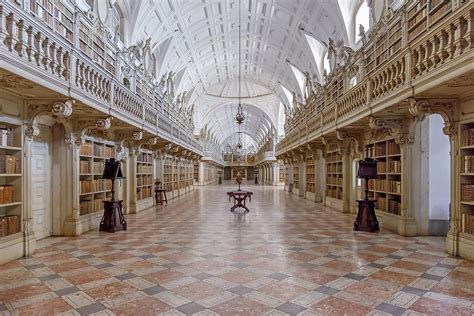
<point x="41" y="167"/>
<point x="439" y="164"/>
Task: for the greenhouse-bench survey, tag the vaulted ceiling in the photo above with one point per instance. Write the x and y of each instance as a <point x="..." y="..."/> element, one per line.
<point x="198" y="41"/>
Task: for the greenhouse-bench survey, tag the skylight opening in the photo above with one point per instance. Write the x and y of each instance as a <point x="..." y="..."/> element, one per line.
<point x="300" y="78"/>
<point x="289" y="96"/>
<point x="362" y="18"/>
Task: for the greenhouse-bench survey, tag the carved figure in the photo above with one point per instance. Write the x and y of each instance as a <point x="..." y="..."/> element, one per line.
<point x="308" y="91"/>
<point x="362" y="34"/>
<point x="170" y="85"/>
<point x="332" y="54"/>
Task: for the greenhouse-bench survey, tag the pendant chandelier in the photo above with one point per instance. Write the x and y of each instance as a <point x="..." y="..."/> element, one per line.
<point x="240" y="117"/>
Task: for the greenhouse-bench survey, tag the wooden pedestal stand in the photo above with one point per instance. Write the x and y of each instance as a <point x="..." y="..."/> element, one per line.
<point x="112" y="219"/>
<point x="366" y="219"/>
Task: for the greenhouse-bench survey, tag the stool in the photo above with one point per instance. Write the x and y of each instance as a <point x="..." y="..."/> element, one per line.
<point x="160" y="196"/>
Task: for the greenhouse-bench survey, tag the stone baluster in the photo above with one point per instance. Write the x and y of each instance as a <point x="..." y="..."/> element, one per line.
<point x="37" y="48"/>
<point x="9" y="29"/>
<point x="20" y="44"/>
<point x="30" y="43"/>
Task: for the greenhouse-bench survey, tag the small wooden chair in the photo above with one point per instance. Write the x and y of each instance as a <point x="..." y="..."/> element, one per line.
<point x="160" y="193"/>
<point x="160" y="196"/>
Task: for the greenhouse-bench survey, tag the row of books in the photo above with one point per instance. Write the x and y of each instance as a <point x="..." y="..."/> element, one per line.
<point x="86" y="166"/>
<point x="9" y="225"/>
<point x="144" y="193"/>
<point x="384" y="185"/>
<point x="467" y="192"/>
<point x="390" y="166"/>
<point x="334" y="180"/>
<point x="97" y="150"/>
<point x="144" y="157"/>
<point x="88" y="206"/>
<point x="6" y="136"/>
<point x="88" y="186"/>
<point x="467" y="164"/>
<point x="467" y="137"/>
<point x="144" y="180"/>
<point x="310" y="187"/>
<point x="467" y="223"/>
<point x="333" y="157"/>
<point x="383" y="149"/>
<point x="330" y="168"/>
<point x="335" y="193"/>
<point x="6" y="193"/>
<point x="144" y="168"/>
<point x="9" y="164"/>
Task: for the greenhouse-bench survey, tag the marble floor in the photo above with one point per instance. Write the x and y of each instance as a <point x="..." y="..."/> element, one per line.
<point x="287" y="256"/>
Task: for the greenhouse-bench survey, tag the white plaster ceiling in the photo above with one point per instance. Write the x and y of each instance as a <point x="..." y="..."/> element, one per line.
<point x="198" y="40"/>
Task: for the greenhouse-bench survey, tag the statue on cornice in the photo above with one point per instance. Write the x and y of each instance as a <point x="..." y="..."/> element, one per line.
<point x="170" y="85"/>
<point x="362" y="34"/>
<point x="332" y="54"/>
<point x="346" y="56"/>
<point x="161" y="85"/>
<point x="308" y="90"/>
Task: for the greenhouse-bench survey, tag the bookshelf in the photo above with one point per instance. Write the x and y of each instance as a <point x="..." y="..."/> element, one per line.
<point x="92" y="188"/>
<point x="144" y="175"/>
<point x="467" y="178"/>
<point x="189" y="175"/>
<point x="386" y="189"/>
<point x="56" y="15"/>
<point x="334" y="175"/>
<point x="416" y="19"/>
<point x="175" y="177"/>
<point x="196" y="171"/>
<point x="296" y="176"/>
<point x="167" y="180"/>
<point x="282" y="172"/>
<point x="11" y="183"/>
<point x="182" y="178"/>
<point x="310" y="176"/>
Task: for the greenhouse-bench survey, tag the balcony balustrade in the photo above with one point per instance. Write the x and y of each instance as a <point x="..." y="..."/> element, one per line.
<point x="414" y="46"/>
<point x="32" y="49"/>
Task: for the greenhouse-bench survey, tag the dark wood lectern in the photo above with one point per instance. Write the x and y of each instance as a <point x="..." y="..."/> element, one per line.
<point x="366" y="219"/>
<point x="113" y="217"/>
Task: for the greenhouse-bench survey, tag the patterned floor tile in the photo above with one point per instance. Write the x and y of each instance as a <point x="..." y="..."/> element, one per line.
<point x="195" y="257"/>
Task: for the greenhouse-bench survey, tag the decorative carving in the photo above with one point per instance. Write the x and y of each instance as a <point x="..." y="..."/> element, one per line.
<point x="63" y="109"/>
<point x="104" y="124"/>
<point x="31" y="131"/>
<point x="444" y="107"/>
<point x="393" y="126"/>
<point x="136" y="136"/>
<point x="14" y="81"/>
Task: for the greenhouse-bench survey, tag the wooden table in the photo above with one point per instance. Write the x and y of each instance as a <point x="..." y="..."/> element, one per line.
<point x="240" y="197"/>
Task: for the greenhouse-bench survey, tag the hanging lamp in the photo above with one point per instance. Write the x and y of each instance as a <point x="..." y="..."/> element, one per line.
<point x="240" y="117"/>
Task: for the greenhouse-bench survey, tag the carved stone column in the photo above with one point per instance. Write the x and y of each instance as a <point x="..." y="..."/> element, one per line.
<point x="70" y="190"/>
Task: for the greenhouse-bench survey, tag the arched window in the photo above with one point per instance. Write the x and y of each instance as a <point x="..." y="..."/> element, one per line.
<point x="326" y="64"/>
<point x="362" y="19"/>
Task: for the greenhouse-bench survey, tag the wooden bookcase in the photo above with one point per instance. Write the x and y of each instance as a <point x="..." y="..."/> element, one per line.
<point x="386" y="190"/>
<point x="92" y="188"/>
<point x="56" y="15"/>
<point x="144" y="175"/>
<point x="11" y="183"/>
<point x="281" y="172"/>
<point x="334" y="175"/>
<point x="167" y="180"/>
<point x="467" y="178"/>
<point x="189" y="175"/>
<point x="310" y="175"/>
<point x="182" y="178"/>
<point x="296" y="176"/>
<point x="196" y="171"/>
<point x="175" y="182"/>
<point x="416" y="19"/>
